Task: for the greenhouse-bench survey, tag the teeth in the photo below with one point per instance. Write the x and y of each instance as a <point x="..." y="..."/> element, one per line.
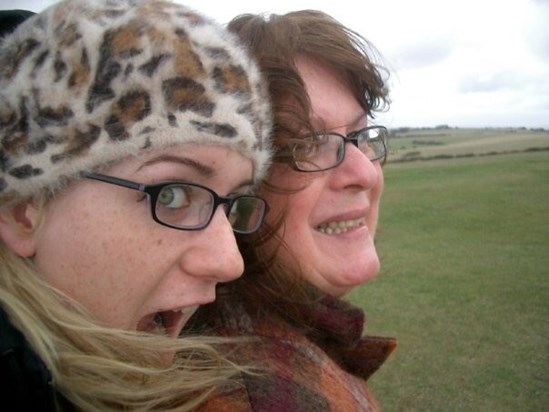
<point x="336" y="228"/>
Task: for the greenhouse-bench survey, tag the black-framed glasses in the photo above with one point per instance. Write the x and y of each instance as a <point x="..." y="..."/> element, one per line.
<point x="189" y="206"/>
<point x="323" y="151"/>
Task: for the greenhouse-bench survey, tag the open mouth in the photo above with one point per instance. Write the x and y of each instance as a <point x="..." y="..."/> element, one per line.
<point x="168" y="323"/>
<point x="340" y="226"/>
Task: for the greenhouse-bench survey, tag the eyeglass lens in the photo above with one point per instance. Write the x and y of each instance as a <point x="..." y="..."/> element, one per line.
<point x="183" y="205"/>
<point x="246" y="214"/>
<point x="327" y="150"/>
<point x="192" y="207"/>
<point x="372" y="142"/>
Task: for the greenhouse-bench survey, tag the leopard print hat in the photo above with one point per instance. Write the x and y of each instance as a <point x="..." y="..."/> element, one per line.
<point x="86" y="83"/>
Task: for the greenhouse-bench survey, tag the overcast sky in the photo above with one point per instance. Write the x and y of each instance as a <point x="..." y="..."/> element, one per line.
<point x="464" y="63"/>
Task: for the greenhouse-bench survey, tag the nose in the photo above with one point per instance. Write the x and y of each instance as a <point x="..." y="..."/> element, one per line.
<point x="356" y="170"/>
<point x="216" y="256"/>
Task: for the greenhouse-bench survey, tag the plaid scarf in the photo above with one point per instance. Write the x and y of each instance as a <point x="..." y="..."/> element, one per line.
<point x="324" y="369"/>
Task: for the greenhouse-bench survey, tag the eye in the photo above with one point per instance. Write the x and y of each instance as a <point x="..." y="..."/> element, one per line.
<point x="310" y="146"/>
<point x="174" y="196"/>
<point x="304" y="149"/>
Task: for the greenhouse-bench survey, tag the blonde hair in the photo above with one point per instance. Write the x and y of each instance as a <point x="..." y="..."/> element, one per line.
<point x="106" y="369"/>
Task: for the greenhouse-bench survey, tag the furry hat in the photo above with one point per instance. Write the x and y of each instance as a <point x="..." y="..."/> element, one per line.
<point x="87" y="83"/>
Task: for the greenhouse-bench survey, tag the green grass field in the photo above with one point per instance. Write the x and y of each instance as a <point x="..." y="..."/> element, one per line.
<point x="464" y="285"/>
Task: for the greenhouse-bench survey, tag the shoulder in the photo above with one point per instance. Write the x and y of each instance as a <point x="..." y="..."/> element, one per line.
<point x="24" y="379"/>
<point x="234" y="400"/>
<point x="323" y="369"/>
<point x="339" y="332"/>
<point x="294" y="374"/>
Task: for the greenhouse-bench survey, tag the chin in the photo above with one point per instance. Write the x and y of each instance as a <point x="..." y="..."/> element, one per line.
<point x="339" y="292"/>
<point x="352" y="279"/>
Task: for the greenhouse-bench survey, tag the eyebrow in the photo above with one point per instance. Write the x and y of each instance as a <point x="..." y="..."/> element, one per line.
<point x="201" y="168"/>
<point x="204" y="170"/>
<point x="354" y="123"/>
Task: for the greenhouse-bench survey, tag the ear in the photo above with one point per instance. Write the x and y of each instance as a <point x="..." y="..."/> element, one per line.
<point x="18" y="228"/>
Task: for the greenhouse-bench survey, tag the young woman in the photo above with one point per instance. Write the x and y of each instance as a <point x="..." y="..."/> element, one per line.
<point x="132" y="134"/>
<point x="324" y="193"/>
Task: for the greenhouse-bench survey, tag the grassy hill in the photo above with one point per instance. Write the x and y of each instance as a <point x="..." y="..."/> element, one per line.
<point x="464" y="286"/>
<point x="422" y="144"/>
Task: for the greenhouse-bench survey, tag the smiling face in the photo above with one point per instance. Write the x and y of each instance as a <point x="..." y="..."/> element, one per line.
<point x="99" y="244"/>
<point x="330" y="224"/>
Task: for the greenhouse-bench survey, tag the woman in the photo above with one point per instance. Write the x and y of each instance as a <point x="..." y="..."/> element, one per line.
<point x="324" y="194"/>
<point x="124" y="125"/>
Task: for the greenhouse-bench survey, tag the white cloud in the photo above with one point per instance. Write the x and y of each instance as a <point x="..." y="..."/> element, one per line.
<point x="462" y="63"/>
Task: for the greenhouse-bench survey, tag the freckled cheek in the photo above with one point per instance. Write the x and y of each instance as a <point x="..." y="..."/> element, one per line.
<point x="116" y="289"/>
<point x="112" y="275"/>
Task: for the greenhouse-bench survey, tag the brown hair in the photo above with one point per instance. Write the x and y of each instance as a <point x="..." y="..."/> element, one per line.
<point x="276" y="41"/>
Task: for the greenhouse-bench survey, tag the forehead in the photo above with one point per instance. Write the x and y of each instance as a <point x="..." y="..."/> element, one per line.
<point x="332" y="102"/>
<point x="207" y="160"/>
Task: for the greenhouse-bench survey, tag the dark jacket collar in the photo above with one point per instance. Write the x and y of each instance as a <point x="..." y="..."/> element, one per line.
<point x="338" y="330"/>
<point x="24" y="379"/>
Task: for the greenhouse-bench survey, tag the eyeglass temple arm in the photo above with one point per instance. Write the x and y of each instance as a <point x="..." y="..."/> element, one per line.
<point x="115" y="181"/>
